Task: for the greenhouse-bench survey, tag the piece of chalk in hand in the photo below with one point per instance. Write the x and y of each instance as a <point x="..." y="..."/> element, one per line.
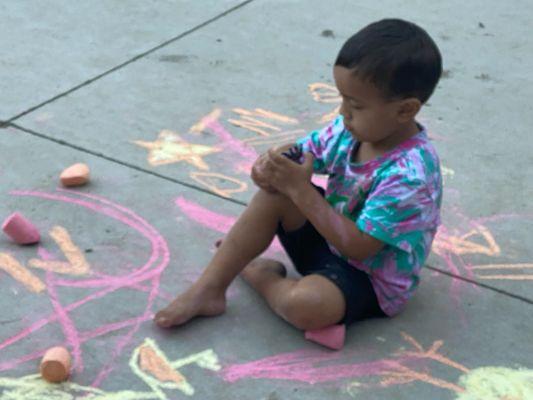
<point x="55" y="365"/>
<point x="295" y="153"/>
<point x="75" y="175"/>
<point x="20" y="229"/>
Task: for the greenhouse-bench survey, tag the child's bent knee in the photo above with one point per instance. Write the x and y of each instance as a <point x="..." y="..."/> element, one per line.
<point x="304" y="309"/>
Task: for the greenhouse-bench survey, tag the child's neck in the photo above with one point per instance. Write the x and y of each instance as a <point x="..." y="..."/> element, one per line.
<point x="402" y="134"/>
<point x="367" y="151"/>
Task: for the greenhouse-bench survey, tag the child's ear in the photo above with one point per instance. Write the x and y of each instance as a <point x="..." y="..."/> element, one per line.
<point x="408" y="108"/>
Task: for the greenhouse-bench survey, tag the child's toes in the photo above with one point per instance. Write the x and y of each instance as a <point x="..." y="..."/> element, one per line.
<point x="163" y="320"/>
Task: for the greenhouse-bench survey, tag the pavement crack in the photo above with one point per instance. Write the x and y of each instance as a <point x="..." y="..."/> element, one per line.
<point x="131" y="60"/>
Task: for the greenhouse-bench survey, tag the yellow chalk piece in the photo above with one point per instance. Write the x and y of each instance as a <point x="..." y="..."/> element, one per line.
<point x="10" y="265"/>
<point x="76" y="265"/>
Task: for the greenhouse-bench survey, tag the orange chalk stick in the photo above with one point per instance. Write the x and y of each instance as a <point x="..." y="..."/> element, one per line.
<point x="55" y="365"/>
<point x="75" y="175"/>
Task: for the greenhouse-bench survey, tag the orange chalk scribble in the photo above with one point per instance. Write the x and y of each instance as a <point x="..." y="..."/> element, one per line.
<point x="20" y="273"/>
<point x="461" y="245"/>
<point x="504" y="267"/>
<point x="212" y="180"/>
<point x="402" y="374"/>
<point x="249" y="120"/>
<point x="151" y="362"/>
<point x="326" y="93"/>
<point x="76" y="265"/>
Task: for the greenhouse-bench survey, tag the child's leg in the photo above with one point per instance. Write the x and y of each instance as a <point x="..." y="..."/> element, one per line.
<point x="249" y="237"/>
<point x="312" y="302"/>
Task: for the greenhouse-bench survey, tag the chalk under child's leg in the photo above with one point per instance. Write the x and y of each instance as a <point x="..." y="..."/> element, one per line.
<point x="248" y="238"/>
<point x="309" y="303"/>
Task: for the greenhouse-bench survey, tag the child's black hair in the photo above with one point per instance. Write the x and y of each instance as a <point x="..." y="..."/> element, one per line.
<point x="397" y="56"/>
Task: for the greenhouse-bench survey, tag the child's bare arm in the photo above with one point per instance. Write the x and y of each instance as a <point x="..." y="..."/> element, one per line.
<point x="337" y="229"/>
<point x="293" y="180"/>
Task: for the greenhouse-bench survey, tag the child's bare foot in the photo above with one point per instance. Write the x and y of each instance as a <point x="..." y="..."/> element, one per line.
<point x="194" y="302"/>
<point x="263" y="269"/>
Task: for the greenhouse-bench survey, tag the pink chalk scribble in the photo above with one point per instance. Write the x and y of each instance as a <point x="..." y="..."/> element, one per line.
<point x="215" y="221"/>
<point x="149" y="272"/>
<point x="302" y="366"/>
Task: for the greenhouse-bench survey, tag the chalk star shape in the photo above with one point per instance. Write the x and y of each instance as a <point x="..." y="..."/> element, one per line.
<point x="171" y="148"/>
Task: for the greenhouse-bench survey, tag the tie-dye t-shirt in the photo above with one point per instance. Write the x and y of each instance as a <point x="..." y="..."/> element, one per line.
<point x="395" y="198"/>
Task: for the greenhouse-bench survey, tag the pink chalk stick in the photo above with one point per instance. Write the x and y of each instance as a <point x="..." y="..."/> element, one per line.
<point x="20" y="229"/>
<point x="331" y="336"/>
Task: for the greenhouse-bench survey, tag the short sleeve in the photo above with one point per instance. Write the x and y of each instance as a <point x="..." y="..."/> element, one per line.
<point x="323" y="145"/>
<point x="397" y="211"/>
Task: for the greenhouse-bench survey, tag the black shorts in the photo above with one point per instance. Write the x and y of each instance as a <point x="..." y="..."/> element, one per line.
<point x="310" y="254"/>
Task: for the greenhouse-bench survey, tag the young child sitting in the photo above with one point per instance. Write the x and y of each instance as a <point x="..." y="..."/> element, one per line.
<point x="361" y="243"/>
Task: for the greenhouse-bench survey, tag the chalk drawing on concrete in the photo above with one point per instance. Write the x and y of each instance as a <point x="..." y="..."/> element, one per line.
<point x="171" y="148"/>
<point x="93" y="288"/>
<point x="473" y="237"/>
<point x="147" y="362"/>
<point x="76" y="263"/>
<point x="405" y="366"/>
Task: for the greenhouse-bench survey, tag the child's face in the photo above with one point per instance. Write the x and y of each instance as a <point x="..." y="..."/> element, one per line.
<point x="367" y="114"/>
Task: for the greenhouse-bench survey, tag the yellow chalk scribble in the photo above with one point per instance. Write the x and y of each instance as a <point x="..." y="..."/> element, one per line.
<point x="171" y="148"/>
<point x="249" y="120"/>
<point x="20" y="273"/>
<point x="209" y="179"/>
<point x="147" y="362"/>
<point x="277" y="139"/>
<point x="447" y="171"/>
<point x="201" y="126"/>
<point x="504" y="267"/>
<point x="76" y="265"/>
<point x="326" y="118"/>
<point x="461" y="245"/>
<point x="497" y="383"/>
<point x="324" y="93"/>
<point x="150" y="364"/>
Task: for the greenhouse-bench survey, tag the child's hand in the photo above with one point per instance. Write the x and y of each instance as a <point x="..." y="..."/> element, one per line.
<point x="258" y="174"/>
<point x="285" y="175"/>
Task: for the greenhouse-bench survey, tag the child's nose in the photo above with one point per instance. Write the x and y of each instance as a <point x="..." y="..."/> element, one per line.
<point x="343" y="112"/>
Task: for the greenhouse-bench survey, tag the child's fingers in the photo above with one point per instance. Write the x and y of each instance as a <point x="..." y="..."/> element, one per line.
<point x="277" y="158"/>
